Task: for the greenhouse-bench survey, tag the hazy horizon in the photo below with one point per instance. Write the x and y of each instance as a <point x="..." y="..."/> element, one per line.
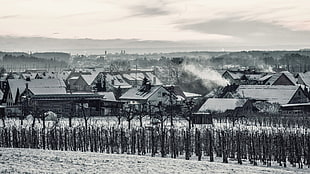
<point x="202" y="24"/>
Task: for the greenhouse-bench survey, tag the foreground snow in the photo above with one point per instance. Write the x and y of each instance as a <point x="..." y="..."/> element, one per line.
<point x="46" y="161"/>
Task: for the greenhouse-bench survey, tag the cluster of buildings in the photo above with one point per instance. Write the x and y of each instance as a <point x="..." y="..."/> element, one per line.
<point x="250" y="91"/>
<point x="68" y="92"/>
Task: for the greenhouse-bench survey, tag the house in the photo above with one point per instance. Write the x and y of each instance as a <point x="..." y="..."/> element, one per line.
<point x="35" y="87"/>
<point x="234" y="77"/>
<point x="153" y="94"/>
<point x="281" y="94"/>
<point x="282" y="78"/>
<point x="125" y="79"/>
<point x="70" y="104"/>
<point x="46" y="75"/>
<point x="83" y="82"/>
<point x="222" y="105"/>
<point x="263" y="80"/>
<point x="304" y="78"/>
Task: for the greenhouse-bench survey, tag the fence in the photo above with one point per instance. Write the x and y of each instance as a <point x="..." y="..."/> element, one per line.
<point x="267" y="146"/>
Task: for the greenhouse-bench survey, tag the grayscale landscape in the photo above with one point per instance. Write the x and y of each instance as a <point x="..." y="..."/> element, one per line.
<point x="166" y="86"/>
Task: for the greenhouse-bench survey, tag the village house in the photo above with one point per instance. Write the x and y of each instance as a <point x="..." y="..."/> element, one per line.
<point x="70" y="105"/>
<point x="150" y="94"/>
<point x="83" y="82"/>
<point x="224" y="105"/>
<point x="246" y="77"/>
<point x="304" y="78"/>
<point x="280" y="94"/>
<point x="125" y="80"/>
<point x="19" y="87"/>
<point x="282" y="78"/>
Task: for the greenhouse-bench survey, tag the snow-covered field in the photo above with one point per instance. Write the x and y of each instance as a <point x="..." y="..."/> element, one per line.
<point x="46" y="161"/>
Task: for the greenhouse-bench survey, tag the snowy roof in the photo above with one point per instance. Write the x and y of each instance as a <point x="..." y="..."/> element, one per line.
<point x="253" y="76"/>
<point x="305" y="77"/>
<point x="275" y="77"/>
<point x="191" y="95"/>
<point x="221" y="104"/>
<point x="109" y="96"/>
<point x="135" y="94"/>
<point x="235" y="75"/>
<point x="89" y="79"/>
<point x="52" y="86"/>
<point x="151" y="77"/>
<point x="46" y="75"/>
<point x="281" y="94"/>
<point x="118" y="81"/>
<point x="47" y="90"/>
<point x="266" y="77"/>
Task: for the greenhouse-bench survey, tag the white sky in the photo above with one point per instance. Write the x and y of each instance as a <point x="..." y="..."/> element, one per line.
<point x="174" y="20"/>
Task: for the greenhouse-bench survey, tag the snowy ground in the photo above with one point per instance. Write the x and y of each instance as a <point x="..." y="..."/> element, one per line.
<point x="46" y="161"/>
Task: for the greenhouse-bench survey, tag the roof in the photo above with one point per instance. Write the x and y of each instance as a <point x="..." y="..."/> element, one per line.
<point x="191" y="95"/>
<point x="295" y="104"/>
<point x="234" y="75"/>
<point x="253" y="76"/>
<point x="39" y="91"/>
<point x="221" y="104"/>
<point x="135" y="94"/>
<point x="266" y="77"/>
<point x="89" y="78"/>
<point x="109" y="96"/>
<point x="281" y="94"/>
<point x="1" y="95"/>
<point x="305" y="77"/>
<point x="275" y="77"/>
<point x="52" y="86"/>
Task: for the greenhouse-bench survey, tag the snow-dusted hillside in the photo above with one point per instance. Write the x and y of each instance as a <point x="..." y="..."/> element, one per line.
<point x="46" y="161"/>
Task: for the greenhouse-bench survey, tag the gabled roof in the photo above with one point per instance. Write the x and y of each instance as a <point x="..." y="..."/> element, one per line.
<point x="221" y="104"/>
<point x="266" y="77"/>
<point x="287" y="74"/>
<point x="281" y="94"/>
<point x="117" y="80"/>
<point x="305" y="77"/>
<point x="89" y="78"/>
<point x="234" y="75"/>
<point x="50" y="86"/>
<point x="135" y="94"/>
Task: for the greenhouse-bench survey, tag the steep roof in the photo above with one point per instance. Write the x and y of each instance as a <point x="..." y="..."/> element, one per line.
<point x="234" y="75"/>
<point x="39" y="86"/>
<point x="135" y="94"/>
<point x="221" y="104"/>
<point x="281" y="94"/>
<point x="89" y="78"/>
<point x="305" y="77"/>
<point x="276" y="76"/>
<point x="266" y="77"/>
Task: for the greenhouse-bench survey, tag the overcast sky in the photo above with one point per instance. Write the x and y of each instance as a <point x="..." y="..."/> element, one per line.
<point x="225" y="21"/>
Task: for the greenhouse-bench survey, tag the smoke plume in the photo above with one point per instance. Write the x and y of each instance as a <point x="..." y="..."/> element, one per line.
<point x="210" y="77"/>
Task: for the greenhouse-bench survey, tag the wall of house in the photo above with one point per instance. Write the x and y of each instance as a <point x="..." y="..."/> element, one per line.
<point x="283" y="80"/>
<point x="299" y="97"/>
<point x="162" y="95"/>
<point x="80" y="85"/>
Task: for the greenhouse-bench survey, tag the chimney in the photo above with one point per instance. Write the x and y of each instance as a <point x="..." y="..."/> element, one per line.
<point x="112" y="81"/>
<point x="27" y="85"/>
